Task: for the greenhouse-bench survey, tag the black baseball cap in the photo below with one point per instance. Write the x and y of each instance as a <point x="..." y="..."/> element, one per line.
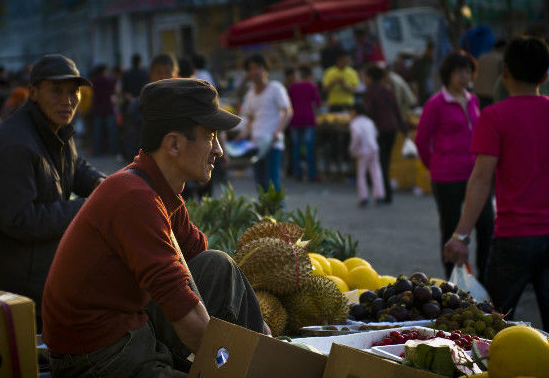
<point x="56" y="67"/>
<point x="172" y="99"/>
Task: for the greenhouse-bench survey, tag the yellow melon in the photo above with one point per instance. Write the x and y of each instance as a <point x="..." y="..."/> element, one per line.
<point x="341" y="285"/>
<point x="339" y="269"/>
<point x="353" y="262"/>
<point x="326" y="268"/>
<point x="363" y="277"/>
<point x="317" y="268"/>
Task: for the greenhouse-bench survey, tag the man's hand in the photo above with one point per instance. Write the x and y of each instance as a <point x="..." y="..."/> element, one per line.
<point x="456" y="252"/>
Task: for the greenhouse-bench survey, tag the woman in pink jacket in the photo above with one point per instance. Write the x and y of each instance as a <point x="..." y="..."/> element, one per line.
<point x="443" y="140"/>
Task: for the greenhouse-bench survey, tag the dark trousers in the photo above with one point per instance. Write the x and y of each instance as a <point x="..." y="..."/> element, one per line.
<point x="449" y="197"/>
<point x="155" y="350"/>
<point x="386" y="141"/>
<point x="513" y="263"/>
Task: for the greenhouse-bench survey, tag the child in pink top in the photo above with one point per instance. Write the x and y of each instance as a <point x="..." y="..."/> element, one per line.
<point x="363" y="147"/>
<point x="512" y="140"/>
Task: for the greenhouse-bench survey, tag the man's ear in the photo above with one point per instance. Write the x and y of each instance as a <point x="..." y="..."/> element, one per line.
<point x="174" y="143"/>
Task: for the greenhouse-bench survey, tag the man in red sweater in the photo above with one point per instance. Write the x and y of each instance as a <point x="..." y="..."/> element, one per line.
<point x="120" y="300"/>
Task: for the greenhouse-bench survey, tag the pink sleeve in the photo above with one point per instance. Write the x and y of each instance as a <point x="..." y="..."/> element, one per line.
<point x="486" y="138"/>
<point x="426" y="128"/>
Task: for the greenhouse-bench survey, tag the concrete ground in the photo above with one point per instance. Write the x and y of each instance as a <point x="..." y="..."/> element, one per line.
<point x="401" y="238"/>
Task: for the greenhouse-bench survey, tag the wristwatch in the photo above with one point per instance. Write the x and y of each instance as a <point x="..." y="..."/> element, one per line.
<point x="465" y="239"/>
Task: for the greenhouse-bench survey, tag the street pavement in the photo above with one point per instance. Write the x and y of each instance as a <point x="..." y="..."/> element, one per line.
<point x="400" y="238"/>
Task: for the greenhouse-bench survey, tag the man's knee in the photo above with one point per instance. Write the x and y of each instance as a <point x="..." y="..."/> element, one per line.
<point x="212" y="260"/>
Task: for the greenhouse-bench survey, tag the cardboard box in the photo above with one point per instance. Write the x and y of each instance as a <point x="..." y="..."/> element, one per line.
<point x="22" y="312"/>
<point x="230" y="351"/>
<point x="347" y="362"/>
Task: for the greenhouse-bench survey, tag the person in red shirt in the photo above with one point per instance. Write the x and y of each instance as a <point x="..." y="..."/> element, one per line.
<point x="120" y="299"/>
<point x="511" y="140"/>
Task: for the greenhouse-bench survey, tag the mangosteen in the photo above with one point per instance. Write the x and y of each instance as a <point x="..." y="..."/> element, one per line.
<point x="380" y="314"/>
<point x="390" y="319"/>
<point x="407" y="299"/>
<point x="436" y="293"/>
<point x="358" y="311"/>
<point x="420" y="277"/>
<point x="392" y="300"/>
<point x="446" y="287"/>
<point x="389" y="292"/>
<point x="368" y="296"/>
<point x="423" y="293"/>
<point x="381" y="291"/>
<point x="447" y="311"/>
<point x="465" y="304"/>
<point x="402" y="313"/>
<point x="402" y="284"/>
<point x="463" y="294"/>
<point x="485" y="307"/>
<point x="377" y="305"/>
<point x="430" y="309"/>
<point x="454" y="301"/>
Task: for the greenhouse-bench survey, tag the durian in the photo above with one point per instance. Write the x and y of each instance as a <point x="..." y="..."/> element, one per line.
<point x="283" y="230"/>
<point x="273" y="312"/>
<point x="319" y="302"/>
<point x="274" y="265"/>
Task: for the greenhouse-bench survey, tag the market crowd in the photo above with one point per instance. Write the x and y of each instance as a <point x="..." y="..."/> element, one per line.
<point x="144" y="301"/>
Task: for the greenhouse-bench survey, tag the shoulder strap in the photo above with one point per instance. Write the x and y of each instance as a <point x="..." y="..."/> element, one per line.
<point x="141" y="174"/>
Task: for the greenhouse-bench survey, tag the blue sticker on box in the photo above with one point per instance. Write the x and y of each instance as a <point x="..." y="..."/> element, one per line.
<point x="222" y="357"/>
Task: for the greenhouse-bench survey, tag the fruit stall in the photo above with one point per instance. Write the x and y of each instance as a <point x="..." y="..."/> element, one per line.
<point x="331" y="313"/>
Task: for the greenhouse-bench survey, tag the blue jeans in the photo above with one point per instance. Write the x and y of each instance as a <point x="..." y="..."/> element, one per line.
<point x="305" y="136"/>
<point x="268" y="169"/>
<point x="513" y="263"/>
<point x="105" y="125"/>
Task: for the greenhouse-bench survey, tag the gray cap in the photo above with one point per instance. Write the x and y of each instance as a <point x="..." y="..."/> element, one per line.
<point x="56" y="67"/>
<point x="172" y="99"/>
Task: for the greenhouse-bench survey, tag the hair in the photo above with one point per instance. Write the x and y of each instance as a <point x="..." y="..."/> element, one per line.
<point x="289" y="71"/>
<point x="359" y="108"/>
<point x="186" y="68"/>
<point x="527" y="59"/>
<point x="163" y="59"/>
<point x="257" y="59"/>
<point x="199" y="62"/>
<point x="453" y="62"/>
<point x="136" y="60"/>
<point x="153" y="133"/>
<point x="305" y="71"/>
<point x="375" y="73"/>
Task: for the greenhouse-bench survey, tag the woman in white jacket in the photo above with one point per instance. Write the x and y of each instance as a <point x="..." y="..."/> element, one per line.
<point x="363" y="147"/>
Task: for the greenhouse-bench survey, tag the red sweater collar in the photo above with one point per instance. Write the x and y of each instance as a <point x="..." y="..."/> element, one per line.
<point x="146" y="163"/>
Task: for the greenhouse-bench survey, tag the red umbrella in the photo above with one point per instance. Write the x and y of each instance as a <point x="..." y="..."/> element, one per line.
<point x="289" y="18"/>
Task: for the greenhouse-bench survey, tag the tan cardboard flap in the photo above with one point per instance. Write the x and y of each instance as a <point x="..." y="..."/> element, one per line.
<point x="239" y="342"/>
<point x="347" y="362"/>
<point x="251" y="355"/>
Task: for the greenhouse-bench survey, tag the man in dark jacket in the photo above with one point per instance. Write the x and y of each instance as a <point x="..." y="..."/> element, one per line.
<point x="40" y="169"/>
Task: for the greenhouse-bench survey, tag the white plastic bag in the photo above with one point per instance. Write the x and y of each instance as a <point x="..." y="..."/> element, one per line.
<point x="462" y="277"/>
<point x="409" y="149"/>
